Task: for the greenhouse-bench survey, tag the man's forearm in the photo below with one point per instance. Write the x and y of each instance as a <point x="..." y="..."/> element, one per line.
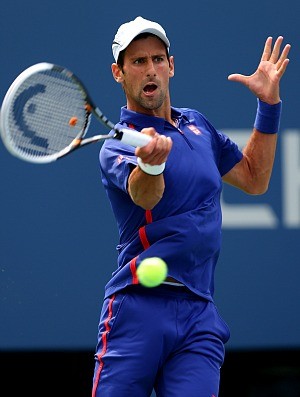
<point x="145" y="190"/>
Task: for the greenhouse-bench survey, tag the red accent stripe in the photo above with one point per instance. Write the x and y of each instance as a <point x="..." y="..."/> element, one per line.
<point x="135" y="279"/>
<point x="142" y="230"/>
<point x="104" y="347"/>
<point x="131" y="126"/>
<point x="143" y="237"/>
<point x="148" y="216"/>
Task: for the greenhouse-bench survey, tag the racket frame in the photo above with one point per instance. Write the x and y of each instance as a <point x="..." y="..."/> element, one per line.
<point x="128" y="136"/>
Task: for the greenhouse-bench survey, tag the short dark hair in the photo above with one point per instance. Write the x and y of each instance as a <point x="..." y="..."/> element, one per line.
<point x="120" y="61"/>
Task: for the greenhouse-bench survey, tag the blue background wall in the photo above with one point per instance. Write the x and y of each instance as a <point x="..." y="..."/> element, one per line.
<point x="57" y="233"/>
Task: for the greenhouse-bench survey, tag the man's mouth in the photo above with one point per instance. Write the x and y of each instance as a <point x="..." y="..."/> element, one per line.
<point x="150" y="88"/>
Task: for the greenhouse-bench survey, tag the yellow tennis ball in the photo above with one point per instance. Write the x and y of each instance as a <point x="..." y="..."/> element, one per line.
<point x="152" y="272"/>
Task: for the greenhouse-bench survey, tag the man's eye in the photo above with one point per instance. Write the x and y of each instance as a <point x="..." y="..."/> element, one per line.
<point x="139" y="60"/>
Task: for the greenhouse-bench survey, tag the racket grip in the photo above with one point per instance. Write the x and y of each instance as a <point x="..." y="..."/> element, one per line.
<point x="134" y="138"/>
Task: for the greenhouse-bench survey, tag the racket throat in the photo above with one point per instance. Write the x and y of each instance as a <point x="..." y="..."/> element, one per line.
<point x="117" y="135"/>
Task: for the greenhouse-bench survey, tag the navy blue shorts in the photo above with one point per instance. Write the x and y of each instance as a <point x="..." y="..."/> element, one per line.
<point x="165" y="338"/>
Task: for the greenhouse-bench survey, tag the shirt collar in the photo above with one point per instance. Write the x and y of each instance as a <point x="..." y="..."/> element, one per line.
<point x="140" y="120"/>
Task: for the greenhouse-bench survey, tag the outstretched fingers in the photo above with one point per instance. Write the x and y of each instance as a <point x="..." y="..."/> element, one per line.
<point x="274" y="55"/>
<point x="283" y="60"/>
<point x="267" y="49"/>
<point x="269" y="54"/>
<point x="276" y="50"/>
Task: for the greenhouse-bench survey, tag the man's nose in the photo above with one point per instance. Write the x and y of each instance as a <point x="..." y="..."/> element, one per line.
<point x="151" y="71"/>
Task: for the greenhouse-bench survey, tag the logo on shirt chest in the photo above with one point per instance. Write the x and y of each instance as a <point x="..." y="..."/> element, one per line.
<point x="194" y="129"/>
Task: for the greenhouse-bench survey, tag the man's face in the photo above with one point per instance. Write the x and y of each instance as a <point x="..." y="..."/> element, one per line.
<point x="145" y="76"/>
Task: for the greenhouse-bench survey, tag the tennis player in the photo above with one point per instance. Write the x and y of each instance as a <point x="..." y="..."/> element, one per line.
<point x="166" y="201"/>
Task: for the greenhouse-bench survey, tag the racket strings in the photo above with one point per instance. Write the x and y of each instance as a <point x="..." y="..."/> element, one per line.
<point x="47" y="114"/>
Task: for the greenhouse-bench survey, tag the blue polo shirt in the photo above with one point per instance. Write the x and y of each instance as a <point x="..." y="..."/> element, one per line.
<point x="184" y="228"/>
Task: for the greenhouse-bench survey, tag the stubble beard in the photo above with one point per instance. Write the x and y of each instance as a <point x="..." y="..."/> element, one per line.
<point x="151" y="103"/>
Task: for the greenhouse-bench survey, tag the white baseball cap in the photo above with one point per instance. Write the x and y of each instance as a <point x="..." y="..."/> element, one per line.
<point x="129" y="30"/>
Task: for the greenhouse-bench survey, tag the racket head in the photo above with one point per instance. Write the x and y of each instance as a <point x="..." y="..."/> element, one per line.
<point x="45" y="113"/>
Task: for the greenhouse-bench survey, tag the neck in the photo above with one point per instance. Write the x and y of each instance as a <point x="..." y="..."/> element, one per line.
<point x="162" y="112"/>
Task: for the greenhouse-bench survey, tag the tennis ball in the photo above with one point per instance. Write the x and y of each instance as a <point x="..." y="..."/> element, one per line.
<point x="152" y="272"/>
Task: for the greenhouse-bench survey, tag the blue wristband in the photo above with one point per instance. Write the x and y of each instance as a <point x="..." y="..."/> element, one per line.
<point x="267" y="118"/>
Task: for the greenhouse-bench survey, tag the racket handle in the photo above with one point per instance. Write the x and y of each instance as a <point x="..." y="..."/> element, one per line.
<point x="132" y="137"/>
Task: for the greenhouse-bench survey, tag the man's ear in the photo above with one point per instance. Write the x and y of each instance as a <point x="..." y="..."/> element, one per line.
<point x="172" y="67"/>
<point x="117" y="73"/>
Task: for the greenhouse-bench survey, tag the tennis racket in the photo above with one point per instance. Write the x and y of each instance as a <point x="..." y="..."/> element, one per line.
<point x="46" y="114"/>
